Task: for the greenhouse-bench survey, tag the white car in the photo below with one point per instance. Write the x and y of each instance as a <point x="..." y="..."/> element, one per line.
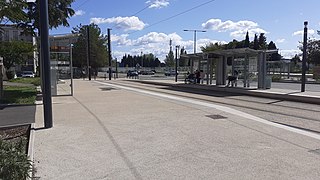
<point x="27" y="74"/>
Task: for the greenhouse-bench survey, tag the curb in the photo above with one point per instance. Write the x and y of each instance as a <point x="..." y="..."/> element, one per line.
<point x="30" y="148"/>
<point x="250" y="92"/>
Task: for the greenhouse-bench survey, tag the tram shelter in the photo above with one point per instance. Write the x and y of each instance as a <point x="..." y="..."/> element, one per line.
<point x="249" y="63"/>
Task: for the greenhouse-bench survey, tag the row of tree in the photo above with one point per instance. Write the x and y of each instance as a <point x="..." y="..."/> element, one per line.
<point x="145" y="60"/>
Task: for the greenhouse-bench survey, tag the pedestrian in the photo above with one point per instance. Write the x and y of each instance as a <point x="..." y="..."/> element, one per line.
<point x="233" y="78"/>
<point x="83" y="72"/>
<point x="202" y="76"/>
<point x="95" y="74"/>
<point x="197" y="73"/>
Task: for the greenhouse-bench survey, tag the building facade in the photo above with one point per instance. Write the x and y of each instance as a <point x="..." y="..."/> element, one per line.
<point x="13" y="33"/>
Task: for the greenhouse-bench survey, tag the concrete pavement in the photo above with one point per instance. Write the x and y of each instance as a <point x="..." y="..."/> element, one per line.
<point x="113" y="132"/>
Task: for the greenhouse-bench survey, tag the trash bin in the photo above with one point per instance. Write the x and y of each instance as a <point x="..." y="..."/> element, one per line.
<point x="268" y="82"/>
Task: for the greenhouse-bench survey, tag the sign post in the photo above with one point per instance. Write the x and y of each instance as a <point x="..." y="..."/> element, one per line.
<point x="1" y="78"/>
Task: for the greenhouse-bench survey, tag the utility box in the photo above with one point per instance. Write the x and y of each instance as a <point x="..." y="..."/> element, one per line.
<point x="268" y="82"/>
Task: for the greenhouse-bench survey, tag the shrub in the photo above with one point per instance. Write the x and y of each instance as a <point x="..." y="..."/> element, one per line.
<point x="276" y="78"/>
<point x="14" y="163"/>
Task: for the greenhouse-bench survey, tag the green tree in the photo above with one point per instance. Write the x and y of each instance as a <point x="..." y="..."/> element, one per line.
<point x="212" y="47"/>
<point x="262" y="41"/>
<point x="183" y="61"/>
<point x="247" y="41"/>
<point x="255" y="42"/>
<point x="15" y="52"/>
<point x="98" y="51"/>
<point x="313" y="51"/>
<point x="149" y="60"/>
<point x="170" y="59"/>
<point x="274" y="56"/>
<point x="12" y="11"/>
<point x="59" y="13"/>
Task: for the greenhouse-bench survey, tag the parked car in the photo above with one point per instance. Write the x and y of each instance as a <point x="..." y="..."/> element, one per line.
<point x="171" y="73"/>
<point x="147" y="72"/>
<point x="27" y="74"/>
<point x="131" y="73"/>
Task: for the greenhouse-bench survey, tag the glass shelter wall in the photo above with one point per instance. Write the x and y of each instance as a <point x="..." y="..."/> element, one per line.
<point x="61" y="65"/>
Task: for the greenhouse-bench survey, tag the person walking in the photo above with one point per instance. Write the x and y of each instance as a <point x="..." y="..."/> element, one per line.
<point x="197" y="73"/>
<point x="202" y="75"/>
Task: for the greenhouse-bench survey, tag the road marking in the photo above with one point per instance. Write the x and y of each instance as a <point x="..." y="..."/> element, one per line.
<point x="218" y="107"/>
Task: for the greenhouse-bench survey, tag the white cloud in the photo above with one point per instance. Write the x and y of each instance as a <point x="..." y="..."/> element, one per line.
<point x="154" y="37"/>
<point x="155" y="43"/>
<point x="79" y="13"/>
<point x="238" y="29"/>
<point x="280" y="40"/>
<point x="121" y="40"/>
<point x="157" y="4"/>
<point x="300" y="33"/>
<point x="218" y="25"/>
<point x="289" y="53"/>
<point x="125" y="23"/>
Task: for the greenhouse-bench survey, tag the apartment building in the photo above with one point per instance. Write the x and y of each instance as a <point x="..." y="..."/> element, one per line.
<point x="9" y="32"/>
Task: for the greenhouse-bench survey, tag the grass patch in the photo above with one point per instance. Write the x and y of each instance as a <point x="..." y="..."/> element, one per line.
<point x="35" y="81"/>
<point x="19" y="95"/>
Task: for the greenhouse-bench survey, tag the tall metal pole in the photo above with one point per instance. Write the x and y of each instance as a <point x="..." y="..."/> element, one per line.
<point x="176" y="71"/>
<point x="71" y="69"/>
<point x="195" y="38"/>
<point x="116" y="68"/>
<point x="141" y="60"/>
<point x="1" y="78"/>
<point x="304" y="57"/>
<point x="45" y="57"/>
<point x="109" y="53"/>
<point x="88" y="54"/>
<point x="195" y="42"/>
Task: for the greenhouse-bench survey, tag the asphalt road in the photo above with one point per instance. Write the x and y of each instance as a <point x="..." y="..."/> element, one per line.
<point x="16" y="115"/>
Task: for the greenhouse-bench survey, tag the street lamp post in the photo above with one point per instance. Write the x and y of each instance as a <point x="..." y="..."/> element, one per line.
<point x="177" y="50"/>
<point x="109" y="52"/>
<point x="71" y="69"/>
<point x="88" y="53"/>
<point x="195" y="38"/>
<point x="45" y="58"/>
<point x="304" y="57"/>
<point x="141" y="60"/>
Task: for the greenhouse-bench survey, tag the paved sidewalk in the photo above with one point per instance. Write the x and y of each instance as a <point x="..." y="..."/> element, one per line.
<point x="108" y="132"/>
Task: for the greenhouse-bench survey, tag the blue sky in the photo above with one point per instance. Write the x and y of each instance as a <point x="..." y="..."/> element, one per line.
<point x="224" y="20"/>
